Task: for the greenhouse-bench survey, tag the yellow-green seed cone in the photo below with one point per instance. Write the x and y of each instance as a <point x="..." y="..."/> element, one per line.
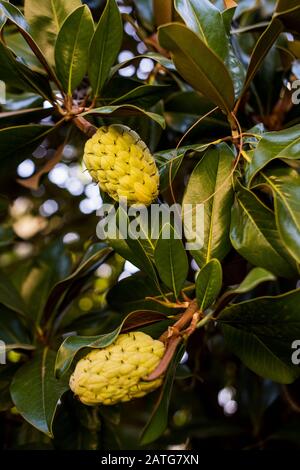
<point x="122" y="164"/>
<point x="115" y="373"/>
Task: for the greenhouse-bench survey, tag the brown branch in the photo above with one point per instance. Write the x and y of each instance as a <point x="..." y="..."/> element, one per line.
<point x="172" y="338"/>
<point x="85" y="126"/>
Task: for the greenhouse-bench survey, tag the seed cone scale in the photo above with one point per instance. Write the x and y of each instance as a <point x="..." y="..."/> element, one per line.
<point x="115" y="373"/>
<point x="121" y="163"/>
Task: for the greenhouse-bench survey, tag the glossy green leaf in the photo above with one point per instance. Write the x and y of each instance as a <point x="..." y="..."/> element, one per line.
<point x="285" y="185"/>
<point x="255" y="277"/>
<point x="126" y="110"/>
<point x="105" y="46"/>
<point x="208" y="284"/>
<point x="159" y="417"/>
<point x="15" y="15"/>
<point x="72" y="42"/>
<point x="45" y="19"/>
<point x="198" y="64"/>
<point x="15" y="73"/>
<point x="171" y="259"/>
<point x="261" y="49"/>
<point x="25" y="116"/>
<point x="9" y="296"/>
<point x="254" y="235"/>
<point x="92" y="260"/>
<point x="210" y="184"/>
<point x="261" y="333"/>
<point x="35" y="391"/>
<point x="133" y="293"/>
<point x="143" y="95"/>
<point x="284" y="144"/>
<point x="13" y="330"/>
<point x="184" y="108"/>
<point x="202" y="17"/>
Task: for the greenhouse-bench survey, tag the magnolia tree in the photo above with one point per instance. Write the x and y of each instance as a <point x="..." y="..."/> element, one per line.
<point x="150" y="224"/>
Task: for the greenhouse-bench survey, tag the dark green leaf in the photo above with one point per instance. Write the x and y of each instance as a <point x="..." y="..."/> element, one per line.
<point x="262" y="47"/>
<point x="171" y="259"/>
<point x="13" y="330"/>
<point x="89" y="264"/>
<point x="72" y="42"/>
<point x="285" y="185"/>
<point x="255" y="277"/>
<point x="105" y="46"/>
<point x="144" y="95"/>
<point x="282" y="144"/>
<point x="14" y="72"/>
<point x="210" y="184"/>
<point x="35" y="391"/>
<point x="9" y="296"/>
<point x="261" y="333"/>
<point x="159" y="418"/>
<point x="208" y="284"/>
<point x="126" y="110"/>
<point x="254" y="235"/>
<point x="198" y="64"/>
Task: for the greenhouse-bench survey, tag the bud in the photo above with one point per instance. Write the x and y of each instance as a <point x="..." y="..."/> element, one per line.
<point x="115" y="373"/>
<point x="121" y="163"/>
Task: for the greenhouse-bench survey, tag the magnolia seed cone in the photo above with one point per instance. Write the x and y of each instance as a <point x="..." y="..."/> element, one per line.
<point x="115" y="373"/>
<point x="121" y="163"/>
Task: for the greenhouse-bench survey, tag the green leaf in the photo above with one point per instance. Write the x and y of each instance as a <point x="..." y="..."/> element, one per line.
<point x="105" y="46"/>
<point x="35" y="391"/>
<point x="19" y="142"/>
<point x="6" y="375"/>
<point x="24" y="116"/>
<point x="132" y="293"/>
<point x="15" y="73"/>
<point x="288" y="11"/>
<point x="198" y="64"/>
<point x="261" y="333"/>
<point x="171" y="259"/>
<point x="45" y="19"/>
<point x="9" y="296"/>
<point x="144" y="96"/>
<point x="126" y="110"/>
<point x="15" y="15"/>
<point x="254" y="235"/>
<point x="261" y="49"/>
<point x="202" y="17"/>
<point x="210" y="184"/>
<point x="282" y="144"/>
<point x="88" y="264"/>
<point x="72" y="42"/>
<point x="13" y="330"/>
<point x="285" y="185"/>
<point x="159" y="418"/>
<point x="255" y="277"/>
<point x="208" y="284"/>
